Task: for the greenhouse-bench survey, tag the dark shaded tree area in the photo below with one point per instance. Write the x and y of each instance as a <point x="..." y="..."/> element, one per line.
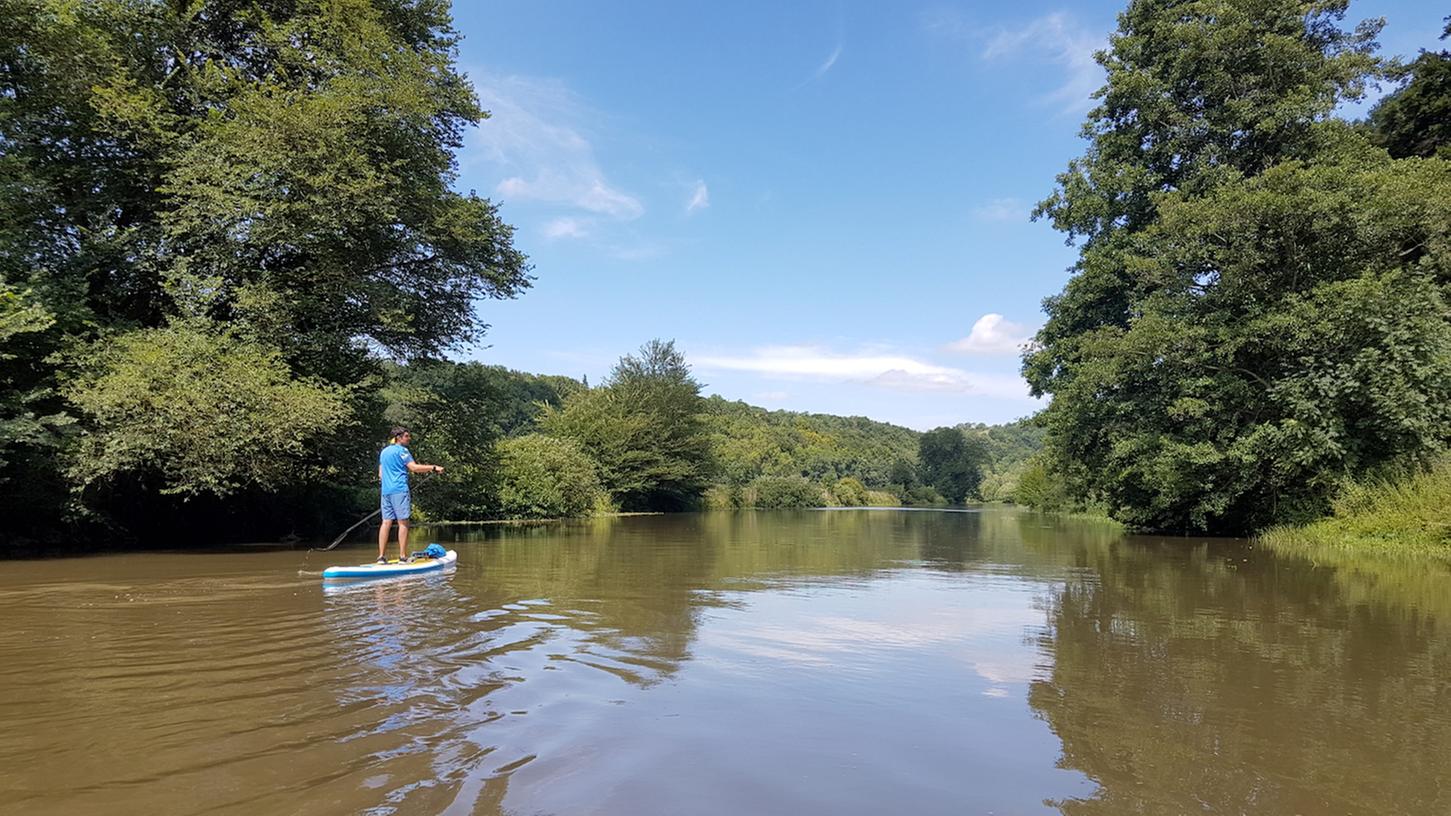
<point x="952" y="462"/>
<point x="1259" y="310"/>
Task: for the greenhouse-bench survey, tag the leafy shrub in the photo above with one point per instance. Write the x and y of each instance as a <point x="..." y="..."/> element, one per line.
<point x="849" y="492"/>
<point x="1038" y="489"/>
<point x="882" y="498"/>
<point x="784" y="492"/>
<point x="200" y="408"/>
<point x="720" y="497"/>
<point x="544" y="477"/>
<point x="922" y="496"/>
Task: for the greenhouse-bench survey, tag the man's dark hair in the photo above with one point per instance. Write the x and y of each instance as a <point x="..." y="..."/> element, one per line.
<point x="397" y="432"/>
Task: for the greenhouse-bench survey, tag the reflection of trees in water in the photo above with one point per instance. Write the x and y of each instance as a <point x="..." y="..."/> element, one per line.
<point x="1187" y="680"/>
<point x="638" y="586"/>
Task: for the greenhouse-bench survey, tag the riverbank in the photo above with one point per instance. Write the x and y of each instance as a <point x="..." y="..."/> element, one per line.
<point x="1404" y="518"/>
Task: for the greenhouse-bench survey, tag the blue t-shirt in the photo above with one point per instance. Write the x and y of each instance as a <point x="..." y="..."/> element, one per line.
<point x="393" y="462"/>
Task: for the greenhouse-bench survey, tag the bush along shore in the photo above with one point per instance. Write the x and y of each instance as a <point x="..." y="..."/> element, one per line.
<point x="1390" y="517"/>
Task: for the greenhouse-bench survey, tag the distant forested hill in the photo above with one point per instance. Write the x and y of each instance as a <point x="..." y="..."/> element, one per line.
<point x="751" y="442"/>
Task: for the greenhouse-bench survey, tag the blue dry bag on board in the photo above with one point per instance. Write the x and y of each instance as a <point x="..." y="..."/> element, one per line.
<point x="433" y="551"/>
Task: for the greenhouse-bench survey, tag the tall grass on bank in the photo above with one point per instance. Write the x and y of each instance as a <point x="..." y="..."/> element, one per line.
<point x="1408" y="516"/>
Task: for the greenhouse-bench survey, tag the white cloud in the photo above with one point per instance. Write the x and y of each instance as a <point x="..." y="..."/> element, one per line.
<point x="1001" y="210"/>
<point x="699" y="198"/>
<point x="1062" y="40"/>
<point x="994" y="334"/>
<point x="880" y="369"/>
<point x="566" y="228"/>
<point x="530" y="135"/>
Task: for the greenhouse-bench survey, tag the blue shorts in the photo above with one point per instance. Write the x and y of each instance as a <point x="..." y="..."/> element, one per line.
<point x="396" y="507"/>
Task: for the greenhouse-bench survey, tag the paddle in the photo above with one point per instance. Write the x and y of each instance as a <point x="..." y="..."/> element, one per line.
<point x="365" y="519"/>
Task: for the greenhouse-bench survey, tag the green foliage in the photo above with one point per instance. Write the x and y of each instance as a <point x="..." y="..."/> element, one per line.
<point x="197" y="410"/>
<point x="902" y="473"/>
<point x="785" y="493"/>
<point x="298" y="156"/>
<point x="1262" y="310"/>
<point x="748" y="442"/>
<point x="643" y="428"/>
<point x="922" y="496"/>
<point x="1393" y="515"/>
<point x="458" y="411"/>
<point x="849" y="492"/>
<point x="281" y="174"/>
<point x="1416" y="119"/>
<point x="544" y="477"/>
<point x="25" y="423"/>
<point x="1039" y="489"/>
<point x="951" y="462"/>
<point x="1009" y="449"/>
<point x="882" y="498"/>
<point x="1199" y="92"/>
<point x="720" y="497"/>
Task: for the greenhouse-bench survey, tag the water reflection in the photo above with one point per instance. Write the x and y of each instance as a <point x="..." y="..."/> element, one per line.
<point x="841" y="662"/>
<point x="1204" y="677"/>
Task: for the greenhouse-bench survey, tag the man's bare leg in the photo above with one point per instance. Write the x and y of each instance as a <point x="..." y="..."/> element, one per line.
<point x="403" y="525"/>
<point x="383" y="535"/>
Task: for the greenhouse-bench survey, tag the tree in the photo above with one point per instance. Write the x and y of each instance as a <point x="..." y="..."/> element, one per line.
<point x="643" y="426"/>
<point x="1259" y="306"/>
<point x="784" y="493"/>
<point x="198" y="411"/>
<point x="849" y="492"/>
<point x="952" y="463"/>
<point x="545" y="477"/>
<point x="1416" y="120"/>
<point x="274" y="175"/>
<point x="902" y="473"/>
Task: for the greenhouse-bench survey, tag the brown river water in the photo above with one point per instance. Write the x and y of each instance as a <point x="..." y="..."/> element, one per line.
<point x="834" y="662"/>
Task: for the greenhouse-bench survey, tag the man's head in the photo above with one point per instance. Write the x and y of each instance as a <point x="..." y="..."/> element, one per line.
<point x="400" y="435"/>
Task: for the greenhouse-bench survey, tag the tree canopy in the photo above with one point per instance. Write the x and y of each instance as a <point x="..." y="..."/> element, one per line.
<point x="643" y="427"/>
<point x="184" y="187"/>
<point x="1259" y="308"/>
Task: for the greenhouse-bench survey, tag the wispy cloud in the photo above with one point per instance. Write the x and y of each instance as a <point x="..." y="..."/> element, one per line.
<point x="895" y="372"/>
<point x="827" y="64"/>
<point x="699" y="198"/>
<point x="1001" y="210"/>
<point x="532" y="136"/>
<point x="1064" y="41"/>
<point x="567" y="228"/>
<point x="994" y="334"/>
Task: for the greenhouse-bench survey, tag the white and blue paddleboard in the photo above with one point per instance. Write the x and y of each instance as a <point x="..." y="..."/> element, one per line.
<point x="392" y="569"/>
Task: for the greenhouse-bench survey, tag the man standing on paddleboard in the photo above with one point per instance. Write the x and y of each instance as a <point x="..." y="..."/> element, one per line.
<point x="394" y="465"/>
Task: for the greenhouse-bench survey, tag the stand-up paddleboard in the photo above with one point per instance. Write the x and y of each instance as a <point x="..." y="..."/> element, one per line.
<point x="391" y="569"/>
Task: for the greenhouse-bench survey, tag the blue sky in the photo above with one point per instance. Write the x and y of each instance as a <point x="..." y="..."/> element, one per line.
<point x="824" y="204"/>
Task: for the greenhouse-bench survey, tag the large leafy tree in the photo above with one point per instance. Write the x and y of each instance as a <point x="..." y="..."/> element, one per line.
<point x="284" y="164"/>
<point x="644" y="428"/>
<point x="272" y="174"/>
<point x="1259" y="308"/>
